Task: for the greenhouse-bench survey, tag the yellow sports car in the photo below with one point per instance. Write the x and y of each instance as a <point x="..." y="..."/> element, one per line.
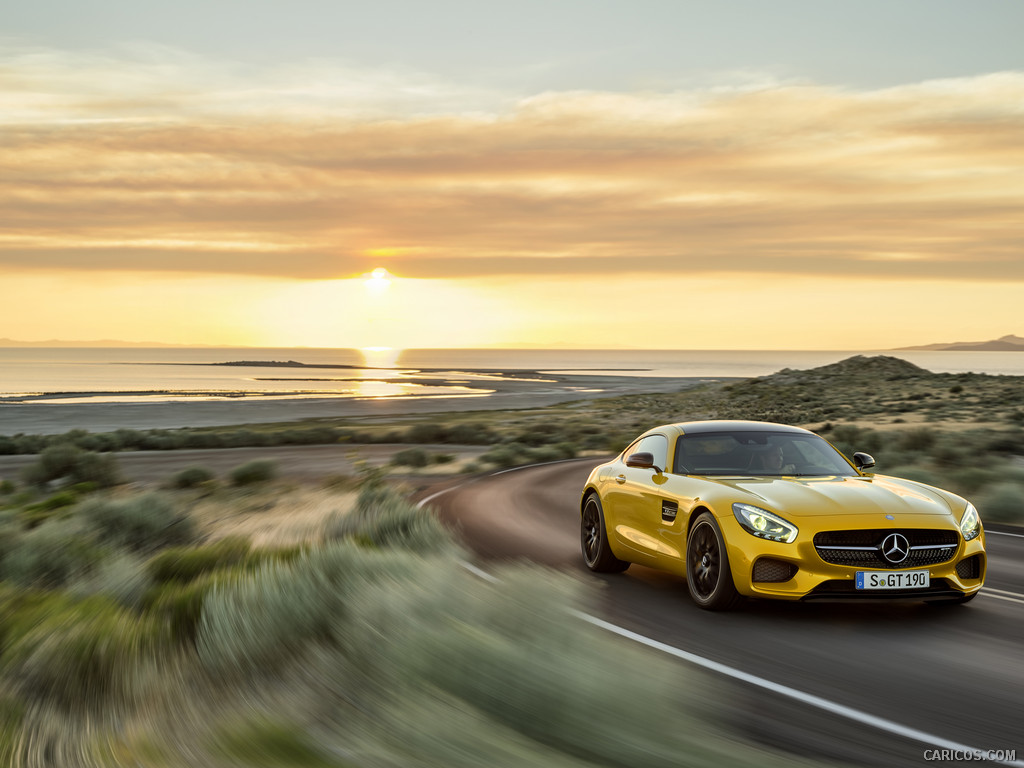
<point x="751" y="509"/>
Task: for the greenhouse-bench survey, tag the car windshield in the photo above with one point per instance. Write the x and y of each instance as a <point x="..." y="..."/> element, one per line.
<point x="772" y="454"/>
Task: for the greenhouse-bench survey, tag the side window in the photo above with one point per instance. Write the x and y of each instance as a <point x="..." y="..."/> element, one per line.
<point x="633" y="448"/>
<point x="656" y="445"/>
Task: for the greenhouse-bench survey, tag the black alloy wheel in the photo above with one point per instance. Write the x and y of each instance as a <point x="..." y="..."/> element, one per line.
<point x="594" y="540"/>
<point x="707" y="566"/>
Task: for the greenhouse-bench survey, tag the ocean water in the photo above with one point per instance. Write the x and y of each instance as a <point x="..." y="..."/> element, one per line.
<point x="124" y="374"/>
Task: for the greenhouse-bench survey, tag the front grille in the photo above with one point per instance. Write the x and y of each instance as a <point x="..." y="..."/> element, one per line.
<point x="969" y="568"/>
<point x="768" y="569"/>
<point x="863" y="548"/>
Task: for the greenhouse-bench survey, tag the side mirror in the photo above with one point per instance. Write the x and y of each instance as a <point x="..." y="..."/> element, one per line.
<point x="642" y="460"/>
<point x="863" y="460"/>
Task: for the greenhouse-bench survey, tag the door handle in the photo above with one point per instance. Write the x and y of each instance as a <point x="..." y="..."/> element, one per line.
<point x="620" y="479"/>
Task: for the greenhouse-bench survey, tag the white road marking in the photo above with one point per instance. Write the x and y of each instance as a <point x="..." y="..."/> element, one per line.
<point x="1002" y="594"/>
<point x="529" y="466"/>
<point x="1002" y="533"/>
<point x="422" y="502"/>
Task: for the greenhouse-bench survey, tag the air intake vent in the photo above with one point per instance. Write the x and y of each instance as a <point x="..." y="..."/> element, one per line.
<point x="969" y="568"/>
<point x="770" y="570"/>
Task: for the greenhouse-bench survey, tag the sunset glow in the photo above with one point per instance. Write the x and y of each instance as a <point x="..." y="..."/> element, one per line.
<point x="160" y="194"/>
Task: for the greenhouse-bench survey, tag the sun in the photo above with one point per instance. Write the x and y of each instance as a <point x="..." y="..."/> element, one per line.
<point x="378" y="281"/>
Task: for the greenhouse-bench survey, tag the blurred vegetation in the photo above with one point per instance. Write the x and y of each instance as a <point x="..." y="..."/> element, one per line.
<point x="151" y="647"/>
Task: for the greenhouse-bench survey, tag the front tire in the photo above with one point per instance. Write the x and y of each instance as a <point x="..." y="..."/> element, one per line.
<point x="594" y="540"/>
<point x="707" y="566"/>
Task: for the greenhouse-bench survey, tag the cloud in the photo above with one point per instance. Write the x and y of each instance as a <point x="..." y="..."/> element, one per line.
<point x="161" y="161"/>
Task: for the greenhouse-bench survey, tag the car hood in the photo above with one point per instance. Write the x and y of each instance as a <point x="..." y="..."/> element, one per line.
<point x="818" y="497"/>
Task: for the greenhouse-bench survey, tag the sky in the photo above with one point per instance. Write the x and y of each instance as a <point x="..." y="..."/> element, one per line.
<point x="799" y="174"/>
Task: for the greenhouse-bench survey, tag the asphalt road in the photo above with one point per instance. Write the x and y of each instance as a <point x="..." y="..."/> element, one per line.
<point x="954" y="672"/>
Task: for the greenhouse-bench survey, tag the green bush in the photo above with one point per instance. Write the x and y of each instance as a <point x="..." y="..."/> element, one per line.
<point x="191" y="477"/>
<point x="383" y="518"/>
<point x="258" y="471"/>
<point x="177" y="607"/>
<point x="411" y="457"/>
<point x="120" y="577"/>
<point x="144" y="523"/>
<point x="49" y="556"/>
<point x="267" y="617"/>
<point x="7" y="487"/>
<point x="67" y="461"/>
<point x="187" y="563"/>
<point x="506" y="456"/>
<point x="77" y="656"/>
<point x="38" y="512"/>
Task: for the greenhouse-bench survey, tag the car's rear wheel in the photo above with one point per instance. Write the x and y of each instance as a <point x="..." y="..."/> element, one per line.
<point x="707" y="566"/>
<point x="594" y="540"/>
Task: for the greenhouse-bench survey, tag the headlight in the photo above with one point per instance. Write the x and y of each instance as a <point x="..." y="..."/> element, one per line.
<point x="763" y="524"/>
<point x="970" y="523"/>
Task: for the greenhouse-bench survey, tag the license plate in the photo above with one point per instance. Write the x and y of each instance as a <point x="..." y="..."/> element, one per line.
<point x="893" y="580"/>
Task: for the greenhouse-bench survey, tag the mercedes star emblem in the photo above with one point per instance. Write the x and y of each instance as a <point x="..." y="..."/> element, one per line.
<point x="895" y="548"/>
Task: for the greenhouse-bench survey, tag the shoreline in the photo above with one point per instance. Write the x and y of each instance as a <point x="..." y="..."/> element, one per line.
<point x="42" y="418"/>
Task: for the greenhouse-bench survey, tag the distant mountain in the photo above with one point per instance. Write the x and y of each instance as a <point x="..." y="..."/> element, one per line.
<point x="97" y="343"/>
<point x="1008" y="343"/>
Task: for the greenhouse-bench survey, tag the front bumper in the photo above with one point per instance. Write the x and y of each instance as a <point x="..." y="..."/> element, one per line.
<point x="809" y="577"/>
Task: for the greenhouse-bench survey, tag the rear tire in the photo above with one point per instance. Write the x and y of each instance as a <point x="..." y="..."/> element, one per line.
<point x="594" y="539"/>
<point x="707" y="566"/>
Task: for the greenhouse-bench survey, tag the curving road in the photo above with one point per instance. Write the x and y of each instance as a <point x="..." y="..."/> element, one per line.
<point x="956" y="673"/>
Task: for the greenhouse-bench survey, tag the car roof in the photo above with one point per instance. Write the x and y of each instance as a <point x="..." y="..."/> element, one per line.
<point x="705" y="427"/>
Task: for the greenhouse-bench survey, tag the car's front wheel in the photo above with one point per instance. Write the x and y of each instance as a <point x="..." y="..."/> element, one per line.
<point x="707" y="566"/>
<point x="594" y="540"/>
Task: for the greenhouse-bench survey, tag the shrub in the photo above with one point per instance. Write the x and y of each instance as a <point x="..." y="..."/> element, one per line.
<point x="121" y="578"/>
<point x="266" y="618"/>
<point x="505" y="456"/>
<point x="191" y="477"/>
<point x="383" y="518"/>
<point x="7" y="487"/>
<point x="65" y="460"/>
<point x="185" y="564"/>
<point x="411" y="457"/>
<point x="144" y="523"/>
<point x="917" y="440"/>
<point x="426" y="433"/>
<point x="49" y="556"/>
<point x="77" y="655"/>
<point x="177" y="607"/>
<point x="258" y="471"/>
